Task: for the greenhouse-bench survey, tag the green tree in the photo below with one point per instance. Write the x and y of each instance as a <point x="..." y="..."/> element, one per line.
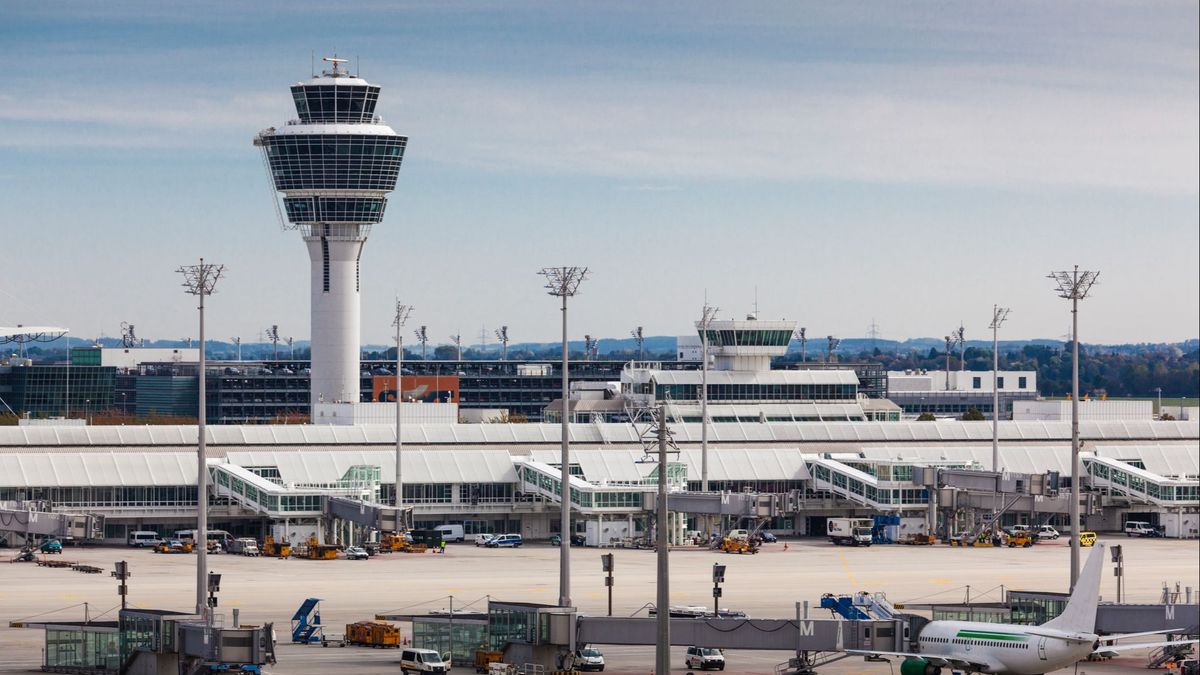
<point x="973" y="415"/>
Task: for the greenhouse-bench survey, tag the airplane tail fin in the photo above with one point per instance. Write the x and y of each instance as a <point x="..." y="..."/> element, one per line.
<point x="1080" y="614"/>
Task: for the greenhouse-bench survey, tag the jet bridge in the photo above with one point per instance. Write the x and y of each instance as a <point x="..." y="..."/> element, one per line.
<point x="30" y="522"/>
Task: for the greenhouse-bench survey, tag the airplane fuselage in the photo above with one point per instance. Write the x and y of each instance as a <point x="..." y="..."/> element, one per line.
<point x="1005" y="649"/>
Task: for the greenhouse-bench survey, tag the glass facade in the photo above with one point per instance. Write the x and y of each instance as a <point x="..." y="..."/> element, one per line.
<point x="92" y="646"/>
<point x="44" y="389"/>
<point x="435" y="633"/>
<point x="334" y="162"/>
<point x="335" y="103"/>
<point x="758" y="392"/>
<point x="748" y="338"/>
<point x="334" y="209"/>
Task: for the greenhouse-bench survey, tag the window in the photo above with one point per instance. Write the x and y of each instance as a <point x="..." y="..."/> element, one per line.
<point x="1000" y="382"/>
<point x="976" y="383"/>
<point x="1022" y="382"/>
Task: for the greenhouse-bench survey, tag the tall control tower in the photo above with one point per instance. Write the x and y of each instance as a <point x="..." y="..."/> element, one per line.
<point x="335" y="166"/>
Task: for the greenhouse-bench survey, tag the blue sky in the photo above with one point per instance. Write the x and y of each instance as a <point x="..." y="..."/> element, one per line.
<point x="911" y="163"/>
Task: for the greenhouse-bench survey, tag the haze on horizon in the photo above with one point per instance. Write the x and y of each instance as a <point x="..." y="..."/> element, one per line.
<point x="907" y="165"/>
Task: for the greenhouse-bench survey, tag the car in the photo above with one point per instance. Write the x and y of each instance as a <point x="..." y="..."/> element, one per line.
<point x="576" y="539"/>
<point x="769" y="538"/>
<point x="1140" y="528"/>
<point x="703" y="658"/>
<point x="1047" y="532"/>
<point x="482" y="539"/>
<point x="51" y="546"/>
<point x="589" y="658"/>
<point x="357" y="553"/>
<point x="422" y="661"/>
<point x="504" y="541"/>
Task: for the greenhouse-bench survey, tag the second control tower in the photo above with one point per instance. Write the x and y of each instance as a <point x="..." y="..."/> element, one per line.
<point x="335" y="166"/>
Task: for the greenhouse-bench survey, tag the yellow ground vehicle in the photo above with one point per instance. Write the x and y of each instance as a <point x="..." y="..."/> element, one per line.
<point x="273" y="549"/>
<point x="1022" y="538"/>
<point x="174" y="546"/>
<point x="314" y="550"/>
<point x="738" y="545"/>
<point x="919" y="540"/>
<point x="981" y="540"/>
<point x="1087" y="538"/>
<point x="373" y="634"/>
<point x="393" y="543"/>
<point x="484" y="658"/>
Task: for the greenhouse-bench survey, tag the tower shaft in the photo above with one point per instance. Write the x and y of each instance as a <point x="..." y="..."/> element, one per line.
<point x="336" y="311"/>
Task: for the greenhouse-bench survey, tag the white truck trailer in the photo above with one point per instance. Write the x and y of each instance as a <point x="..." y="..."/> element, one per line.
<point x="849" y="531"/>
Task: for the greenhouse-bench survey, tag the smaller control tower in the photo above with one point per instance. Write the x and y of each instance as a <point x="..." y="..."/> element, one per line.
<point x="335" y="165"/>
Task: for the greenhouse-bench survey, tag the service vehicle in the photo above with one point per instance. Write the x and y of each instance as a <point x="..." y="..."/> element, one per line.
<point x="51" y="546"/>
<point x="1087" y="538"/>
<point x="1047" y="532"/>
<point x="576" y="539"/>
<point x="482" y="539"/>
<point x="1021" y="538"/>
<point x="451" y="533"/>
<point x="357" y="553"/>
<point x="849" y="531"/>
<point x="422" y="661"/>
<point x="504" y="541"/>
<point x="738" y="534"/>
<point x="589" y="658"/>
<point x="247" y="546"/>
<point x="373" y="634"/>
<point x="768" y="537"/>
<point x="1139" y="528"/>
<point x="143" y="538"/>
<point x="703" y="658"/>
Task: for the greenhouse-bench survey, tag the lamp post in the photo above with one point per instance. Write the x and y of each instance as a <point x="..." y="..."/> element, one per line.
<point x="563" y="282"/>
<point x="999" y="314"/>
<point x="402" y="312"/>
<point x="662" y="644"/>
<point x="606" y="563"/>
<point x="706" y="319"/>
<point x="1074" y="286"/>
<point x="718" y="579"/>
<point x="200" y="281"/>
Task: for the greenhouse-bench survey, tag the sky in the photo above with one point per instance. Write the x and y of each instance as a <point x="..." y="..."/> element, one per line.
<point x="842" y="164"/>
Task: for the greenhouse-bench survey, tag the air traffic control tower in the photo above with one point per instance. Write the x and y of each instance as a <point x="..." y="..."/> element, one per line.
<point x="335" y="166"/>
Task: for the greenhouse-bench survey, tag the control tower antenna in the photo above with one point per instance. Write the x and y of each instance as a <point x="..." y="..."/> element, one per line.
<point x="502" y="336"/>
<point x="422" y="334"/>
<point x="457" y="340"/>
<point x="640" y="339"/>
<point x="335" y="166"/>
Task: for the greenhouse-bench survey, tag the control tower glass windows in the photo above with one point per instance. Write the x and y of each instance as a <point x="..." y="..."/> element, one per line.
<point x="335" y="209"/>
<point x="748" y="338"/>
<point x="335" y="103"/>
<point x="329" y="162"/>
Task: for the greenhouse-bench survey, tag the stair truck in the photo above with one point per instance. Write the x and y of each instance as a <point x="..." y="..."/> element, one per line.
<point x="850" y="531"/>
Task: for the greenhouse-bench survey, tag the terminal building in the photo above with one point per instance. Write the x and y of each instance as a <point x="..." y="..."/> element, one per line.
<point x="951" y="394"/>
<point x="504" y="477"/>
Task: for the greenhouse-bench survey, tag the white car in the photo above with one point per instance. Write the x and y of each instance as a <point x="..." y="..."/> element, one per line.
<point x="356" y="553"/>
<point x="1047" y="532"/>
<point x="483" y="539"/>
<point x="703" y="658"/>
<point x="589" y="658"/>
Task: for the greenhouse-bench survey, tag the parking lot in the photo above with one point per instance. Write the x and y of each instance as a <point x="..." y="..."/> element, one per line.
<point x="764" y="585"/>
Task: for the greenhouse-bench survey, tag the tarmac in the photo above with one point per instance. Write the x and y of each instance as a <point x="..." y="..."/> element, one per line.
<point x="766" y="585"/>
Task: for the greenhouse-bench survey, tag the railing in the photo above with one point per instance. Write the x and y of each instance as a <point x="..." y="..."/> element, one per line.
<point x="1139" y="485"/>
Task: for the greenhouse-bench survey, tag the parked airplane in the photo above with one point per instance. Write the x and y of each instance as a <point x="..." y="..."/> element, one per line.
<point x="1010" y="649"/>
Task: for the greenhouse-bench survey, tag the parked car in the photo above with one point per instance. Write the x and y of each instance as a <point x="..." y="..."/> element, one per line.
<point x="589" y="658"/>
<point x="357" y="553"/>
<point x="1047" y="532"/>
<point x="703" y="658"/>
<point x="51" y="546"/>
<point x="504" y="541"/>
<point x="576" y="539"/>
<point x="482" y="539"/>
<point x="769" y="538"/>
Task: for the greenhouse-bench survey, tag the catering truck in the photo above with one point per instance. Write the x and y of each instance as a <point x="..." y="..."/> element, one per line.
<point x="849" y="531"/>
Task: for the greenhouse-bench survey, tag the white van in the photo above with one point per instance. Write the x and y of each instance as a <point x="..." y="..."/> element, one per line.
<point x="451" y="532"/>
<point x="143" y="538"/>
<point x="422" y="661"/>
